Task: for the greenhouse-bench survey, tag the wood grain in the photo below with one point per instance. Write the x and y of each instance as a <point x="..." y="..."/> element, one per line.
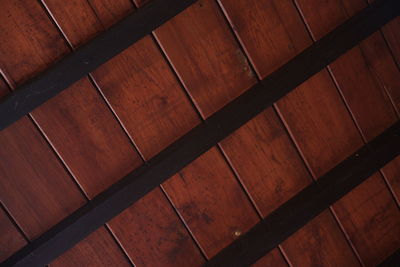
<point x="275" y="26"/>
<point x="392" y="174"/>
<point x="327" y="243"/>
<point x="36" y="189"/>
<point x="371" y="219"/>
<point x="205" y="56"/>
<point x="266" y="161"/>
<point x="210" y="201"/>
<point x="315" y="108"/>
<point x="98" y="249"/>
<point x="273" y="258"/>
<point x="11" y="239"/>
<point x="363" y="76"/>
<point x="154" y="110"/>
<point x="146" y="96"/>
<point x="152" y="235"/>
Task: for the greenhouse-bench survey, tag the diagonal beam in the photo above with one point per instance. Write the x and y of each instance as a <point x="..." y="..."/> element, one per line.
<point x="175" y="157"/>
<point x="311" y="201"/>
<point x="391" y="261"/>
<point x="98" y="51"/>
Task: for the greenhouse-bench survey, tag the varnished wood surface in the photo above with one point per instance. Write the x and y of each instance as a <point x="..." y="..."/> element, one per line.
<point x="317" y="102"/>
<point x="98" y="249"/>
<point x="322" y="235"/>
<point x="152" y="234"/>
<point x="154" y="110"/>
<point x="209" y="62"/>
<point x="392" y="174"/>
<point x="208" y="198"/>
<point x="11" y="239"/>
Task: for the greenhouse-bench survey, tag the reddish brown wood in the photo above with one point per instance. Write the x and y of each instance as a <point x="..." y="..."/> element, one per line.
<point x="363" y="76"/>
<point x="314" y="113"/>
<point x="275" y="26"/>
<point x="392" y="174"/>
<point x="98" y="249"/>
<point x="274" y="258"/>
<point x="152" y="235"/>
<point x="363" y="73"/>
<point x="362" y="90"/>
<point x="371" y="219"/>
<point x="79" y="125"/>
<point x="391" y="32"/>
<point x="209" y="62"/>
<point x="35" y="188"/>
<point x="265" y="159"/>
<point x="146" y="97"/>
<point x="324" y="240"/>
<point x="11" y="239"/>
<point x="207" y="196"/>
<point x="155" y="111"/>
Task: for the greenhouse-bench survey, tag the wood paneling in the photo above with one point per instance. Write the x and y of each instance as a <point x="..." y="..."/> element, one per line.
<point x="210" y="201"/>
<point x="363" y="76"/>
<point x="266" y="161"/>
<point x="146" y="96"/>
<point x="311" y="112"/>
<point x="268" y="18"/>
<point x="152" y="234"/>
<point x="205" y="56"/>
<point x="11" y="239"/>
<point x="392" y="174"/>
<point x="315" y="108"/>
<point x="371" y="219"/>
<point x="34" y="186"/>
<point x="273" y="258"/>
<point x="98" y="249"/>
<point x="92" y="145"/>
<point x="36" y="189"/>
<point x="319" y="243"/>
<point x="361" y="88"/>
<point x="142" y="90"/>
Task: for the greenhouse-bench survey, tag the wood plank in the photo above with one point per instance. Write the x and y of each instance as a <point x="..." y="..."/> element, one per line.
<point x="208" y="62"/>
<point x="75" y="126"/>
<point x="277" y="19"/>
<point x="310" y="202"/>
<point x="363" y="73"/>
<point x="34" y="186"/>
<point x="391" y="32"/>
<point x="210" y="201"/>
<point x="392" y="174"/>
<point x="371" y="219"/>
<point x="322" y="236"/>
<point x="152" y="235"/>
<point x="147" y="99"/>
<point x="29" y="43"/>
<point x="155" y="114"/>
<point x="98" y="249"/>
<point x="146" y="96"/>
<point x="274" y="258"/>
<point x="317" y="99"/>
<point x="11" y="239"/>
<point x="266" y="161"/>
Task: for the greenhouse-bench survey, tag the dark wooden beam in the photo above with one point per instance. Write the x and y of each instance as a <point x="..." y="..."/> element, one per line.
<point x="311" y="201"/>
<point x="64" y="73"/>
<point x="175" y="157"/>
<point x="392" y="261"/>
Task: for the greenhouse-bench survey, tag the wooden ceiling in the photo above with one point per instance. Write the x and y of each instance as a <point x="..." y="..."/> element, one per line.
<point x="64" y="153"/>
